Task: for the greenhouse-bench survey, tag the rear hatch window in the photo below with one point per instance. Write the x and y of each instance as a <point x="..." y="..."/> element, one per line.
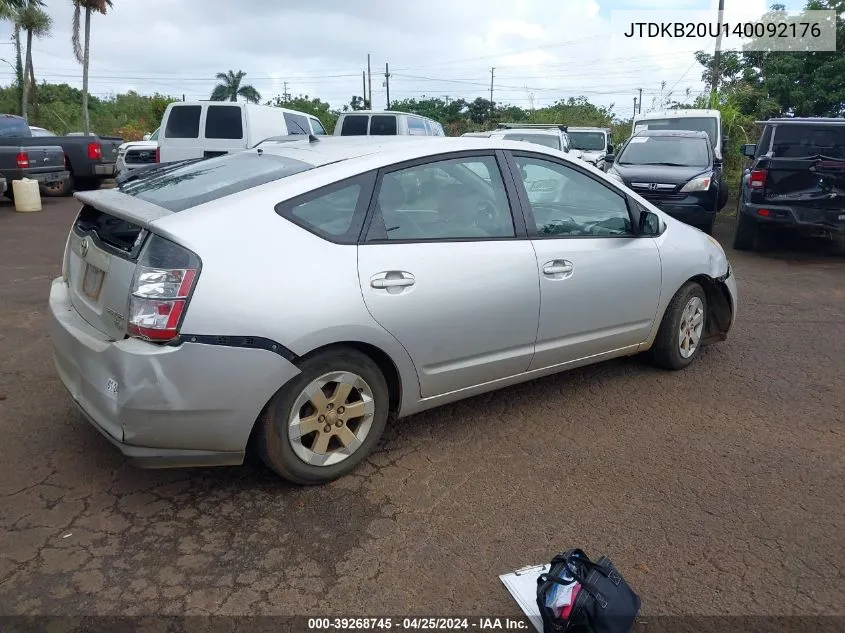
<point x="804" y="141"/>
<point x="198" y="182"/>
<point x="355" y="125"/>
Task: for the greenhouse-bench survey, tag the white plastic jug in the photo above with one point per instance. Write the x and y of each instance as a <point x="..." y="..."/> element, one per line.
<point x="27" y="195"/>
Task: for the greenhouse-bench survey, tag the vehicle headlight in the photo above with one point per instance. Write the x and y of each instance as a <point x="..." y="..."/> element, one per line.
<point x="702" y="183"/>
<point x="615" y="176"/>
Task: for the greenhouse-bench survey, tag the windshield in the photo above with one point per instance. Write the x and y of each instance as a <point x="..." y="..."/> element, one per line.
<point x="587" y="141"/>
<point x="696" y="124"/>
<point x="154" y="136"/>
<point x="181" y="187"/>
<point x="801" y="141"/>
<point x="665" y="150"/>
<point x="548" y="140"/>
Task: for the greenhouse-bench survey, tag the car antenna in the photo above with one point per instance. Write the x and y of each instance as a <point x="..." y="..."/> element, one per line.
<point x="313" y="139"/>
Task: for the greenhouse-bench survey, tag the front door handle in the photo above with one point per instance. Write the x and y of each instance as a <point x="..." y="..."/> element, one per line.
<point x="558" y="269"/>
<point x="392" y="279"/>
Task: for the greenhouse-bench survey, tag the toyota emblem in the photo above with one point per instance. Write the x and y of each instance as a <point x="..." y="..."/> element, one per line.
<point x="83" y="248"/>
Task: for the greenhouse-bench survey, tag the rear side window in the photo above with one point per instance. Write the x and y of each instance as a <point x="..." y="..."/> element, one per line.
<point x="335" y="212"/>
<point x="223" y="122"/>
<point x="183" y="122"/>
<point x="186" y="186"/>
<point x="13" y="127"/>
<point x="297" y="124"/>
<point x="416" y="126"/>
<point x="383" y="125"/>
<point x="317" y="127"/>
<point x="354" y="125"/>
<point x="806" y="141"/>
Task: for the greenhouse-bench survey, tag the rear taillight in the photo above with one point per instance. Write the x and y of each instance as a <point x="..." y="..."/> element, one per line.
<point x="158" y="155"/>
<point x="161" y="289"/>
<point x="23" y="160"/>
<point x="95" y="151"/>
<point x="757" y="179"/>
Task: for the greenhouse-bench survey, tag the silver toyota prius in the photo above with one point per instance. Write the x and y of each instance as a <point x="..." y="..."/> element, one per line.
<point x="296" y="297"/>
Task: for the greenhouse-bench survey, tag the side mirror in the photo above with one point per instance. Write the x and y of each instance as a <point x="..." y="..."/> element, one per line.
<point x="609" y="158"/>
<point x="725" y="140"/>
<point x="718" y="162"/>
<point x="610" y="148"/>
<point x="147" y="137"/>
<point x="649" y="224"/>
<point x="749" y="150"/>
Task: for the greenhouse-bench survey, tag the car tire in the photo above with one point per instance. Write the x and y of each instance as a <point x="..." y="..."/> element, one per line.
<point x="58" y="189"/>
<point x="723" y="195"/>
<point x="746" y="232"/>
<point x="678" y="340"/>
<point x="296" y="453"/>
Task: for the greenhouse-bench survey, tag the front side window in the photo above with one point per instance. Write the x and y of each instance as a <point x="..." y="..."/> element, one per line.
<point x="183" y="122"/>
<point x="224" y="122"/>
<point x="416" y="126"/>
<point x="673" y="151"/>
<point x="317" y="127"/>
<point x="462" y="198"/>
<point x="383" y="125"/>
<point x="567" y="203"/>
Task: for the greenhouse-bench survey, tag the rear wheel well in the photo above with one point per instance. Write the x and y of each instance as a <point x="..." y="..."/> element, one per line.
<point x="384" y="362"/>
<point x="719" y="309"/>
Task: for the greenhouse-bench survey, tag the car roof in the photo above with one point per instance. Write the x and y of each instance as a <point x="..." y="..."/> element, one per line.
<point x="525" y="130"/>
<point x="324" y="150"/>
<point x="679" y="133"/>
<point x="680" y="112"/>
<point x="826" y="120"/>
<point x="587" y="129"/>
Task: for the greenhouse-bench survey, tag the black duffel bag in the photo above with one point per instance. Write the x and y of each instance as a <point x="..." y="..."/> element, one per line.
<point x="605" y="603"/>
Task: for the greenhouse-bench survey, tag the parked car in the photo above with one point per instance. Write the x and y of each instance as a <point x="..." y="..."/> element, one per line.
<point x="551" y="135"/>
<point x="185" y="323"/>
<point x="701" y="120"/>
<point x="205" y="129"/>
<point x="795" y="182"/>
<point x="88" y="160"/>
<point x="137" y="154"/>
<point x="40" y="131"/>
<point x="44" y="163"/>
<point x="386" y="123"/>
<point x="594" y="143"/>
<point x="674" y="170"/>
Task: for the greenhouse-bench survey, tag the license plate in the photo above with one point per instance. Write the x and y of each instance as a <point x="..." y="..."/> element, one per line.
<point x="52" y="176"/>
<point x="92" y="282"/>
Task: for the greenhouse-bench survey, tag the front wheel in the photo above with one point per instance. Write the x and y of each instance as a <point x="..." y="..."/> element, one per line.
<point x="745" y="236"/>
<point x="324" y="422"/>
<point x="678" y="340"/>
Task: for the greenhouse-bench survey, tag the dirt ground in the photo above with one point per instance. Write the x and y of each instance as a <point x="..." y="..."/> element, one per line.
<point x="716" y="490"/>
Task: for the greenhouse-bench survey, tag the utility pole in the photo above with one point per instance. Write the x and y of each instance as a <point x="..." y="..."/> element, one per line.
<point x="640" y="106"/>
<point x="364" y="87"/>
<point x="717" y="58"/>
<point x="492" y="71"/>
<point x="387" y="83"/>
<point x="635" y="113"/>
<point x="183" y="96"/>
<point x="285" y="93"/>
<point x="369" y="83"/>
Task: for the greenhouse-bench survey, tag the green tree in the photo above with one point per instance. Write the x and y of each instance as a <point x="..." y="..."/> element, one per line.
<point x="82" y="52"/>
<point x="9" y="10"/>
<point x="35" y="22"/>
<point x="230" y="88"/>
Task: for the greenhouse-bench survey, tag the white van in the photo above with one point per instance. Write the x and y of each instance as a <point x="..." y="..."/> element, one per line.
<point x="202" y="129"/>
<point x="709" y="121"/>
<point x="386" y="123"/>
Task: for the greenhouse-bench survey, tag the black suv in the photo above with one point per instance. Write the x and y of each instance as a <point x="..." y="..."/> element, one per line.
<point x="795" y="180"/>
<point x="675" y="170"/>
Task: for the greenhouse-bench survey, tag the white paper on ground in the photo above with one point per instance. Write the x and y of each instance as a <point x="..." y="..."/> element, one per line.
<point x="522" y="585"/>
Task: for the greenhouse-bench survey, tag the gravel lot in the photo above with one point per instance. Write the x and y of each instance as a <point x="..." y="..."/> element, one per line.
<point x="716" y="490"/>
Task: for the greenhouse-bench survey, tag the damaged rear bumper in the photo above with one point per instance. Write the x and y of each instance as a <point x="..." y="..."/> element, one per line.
<point x="163" y="406"/>
<point x="803" y="219"/>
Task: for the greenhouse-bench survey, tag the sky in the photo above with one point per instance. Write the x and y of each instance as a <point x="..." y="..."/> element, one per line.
<point x="540" y="50"/>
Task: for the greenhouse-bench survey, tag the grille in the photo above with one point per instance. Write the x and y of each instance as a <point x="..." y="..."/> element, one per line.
<point x="140" y="156"/>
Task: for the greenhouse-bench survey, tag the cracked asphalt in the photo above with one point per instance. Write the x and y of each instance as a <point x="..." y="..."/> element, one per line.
<point x="716" y="490"/>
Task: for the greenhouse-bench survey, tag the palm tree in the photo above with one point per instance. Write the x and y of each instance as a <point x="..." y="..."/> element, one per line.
<point x="83" y="54"/>
<point x="9" y="11"/>
<point x="35" y="22"/>
<point x="230" y="88"/>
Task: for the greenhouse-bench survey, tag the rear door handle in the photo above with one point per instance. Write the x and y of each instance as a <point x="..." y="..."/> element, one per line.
<point x="558" y="267"/>
<point x="392" y="279"/>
